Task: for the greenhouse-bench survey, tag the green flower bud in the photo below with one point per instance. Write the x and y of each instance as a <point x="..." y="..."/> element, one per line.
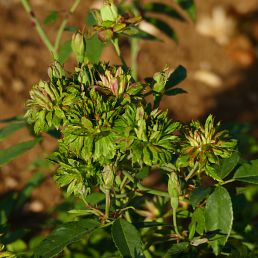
<point x="56" y="71"/>
<point x="79" y="46"/>
<point x="108" y="176"/>
<point x="173" y="190"/>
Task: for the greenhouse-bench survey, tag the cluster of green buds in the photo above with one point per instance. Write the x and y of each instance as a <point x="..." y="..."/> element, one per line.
<point x="204" y="146"/>
<point x="109" y="22"/>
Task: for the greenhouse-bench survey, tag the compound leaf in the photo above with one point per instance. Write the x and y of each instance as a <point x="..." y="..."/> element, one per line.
<point x="126" y="238"/>
<point x="63" y="236"/>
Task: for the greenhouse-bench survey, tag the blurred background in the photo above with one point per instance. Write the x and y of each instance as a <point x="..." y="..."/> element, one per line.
<point x="219" y="51"/>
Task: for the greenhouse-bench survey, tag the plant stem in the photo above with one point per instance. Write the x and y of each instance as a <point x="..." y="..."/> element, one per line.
<point x="117" y="48"/>
<point x="107" y="194"/>
<point x="39" y="28"/>
<point x="192" y="172"/>
<point x="227" y="182"/>
<point x="144" y="188"/>
<point x="134" y="54"/>
<point x="63" y="24"/>
<point x="175" y="223"/>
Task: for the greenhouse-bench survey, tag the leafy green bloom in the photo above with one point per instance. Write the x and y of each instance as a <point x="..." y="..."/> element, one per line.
<point x="205" y="146"/>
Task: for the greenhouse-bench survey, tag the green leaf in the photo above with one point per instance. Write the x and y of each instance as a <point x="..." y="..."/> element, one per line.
<point x="63" y="236"/>
<point x="177" y="249"/>
<point x="176" y="91"/>
<point x="11" y="128"/>
<point x="227" y="165"/>
<point x="51" y="18"/>
<point x="198" y="195"/>
<point x="248" y="172"/>
<point x="189" y="7"/>
<point x="162" y="9"/>
<point x="177" y="76"/>
<point x="94" y="48"/>
<point x="109" y="12"/>
<point x="64" y="51"/>
<point x="126" y="238"/>
<point x="71" y="28"/>
<point x="11" y="153"/>
<point x="197" y="223"/>
<point x="12" y="119"/>
<point x="163" y="26"/>
<point x="137" y="33"/>
<point x="219" y="218"/>
<point x="95" y="198"/>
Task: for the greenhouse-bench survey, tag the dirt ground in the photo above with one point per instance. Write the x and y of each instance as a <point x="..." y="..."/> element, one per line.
<point x="222" y="78"/>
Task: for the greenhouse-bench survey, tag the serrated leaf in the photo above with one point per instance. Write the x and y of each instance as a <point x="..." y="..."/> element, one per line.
<point x="189" y="7"/>
<point x="63" y="236"/>
<point x="126" y="238"/>
<point x="177" y="249"/>
<point x="227" y="165"/>
<point x="64" y="51"/>
<point x="219" y="218"/>
<point x="177" y="76"/>
<point x="12" y="152"/>
<point x="11" y="128"/>
<point x="163" y="26"/>
<point x="51" y="18"/>
<point x="162" y="9"/>
<point x="248" y="172"/>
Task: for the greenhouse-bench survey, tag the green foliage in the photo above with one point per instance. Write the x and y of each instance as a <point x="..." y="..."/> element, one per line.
<point x="56" y="241"/>
<point x="218" y="218"/>
<point x="110" y="139"/>
<point x="127" y="239"/>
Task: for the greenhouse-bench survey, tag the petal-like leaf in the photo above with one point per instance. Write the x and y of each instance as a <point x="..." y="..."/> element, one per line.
<point x="248" y="172"/>
<point x="126" y="238"/>
<point x="162" y="9"/>
<point x="63" y="236"/>
<point x="219" y="218"/>
<point x="11" y="153"/>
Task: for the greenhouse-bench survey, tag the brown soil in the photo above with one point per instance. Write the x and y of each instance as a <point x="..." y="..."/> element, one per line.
<point x="24" y="60"/>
